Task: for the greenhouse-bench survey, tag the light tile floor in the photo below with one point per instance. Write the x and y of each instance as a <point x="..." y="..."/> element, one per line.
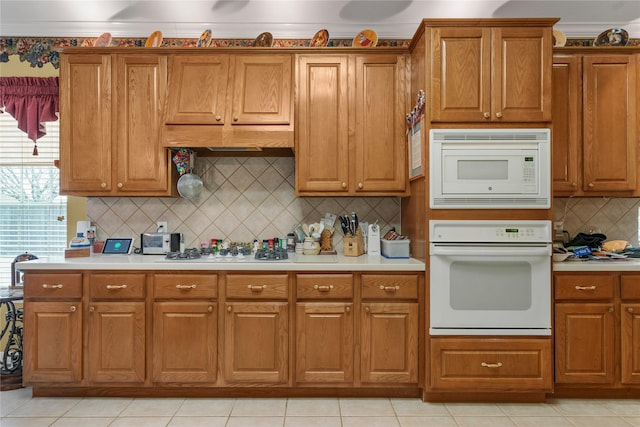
<point x="19" y="409"/>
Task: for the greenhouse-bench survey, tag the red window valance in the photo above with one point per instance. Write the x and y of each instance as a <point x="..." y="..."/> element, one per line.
<point x="31" y="101"/>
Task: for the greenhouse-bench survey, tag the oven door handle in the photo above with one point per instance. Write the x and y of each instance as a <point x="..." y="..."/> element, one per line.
<point x="485" y="250"/>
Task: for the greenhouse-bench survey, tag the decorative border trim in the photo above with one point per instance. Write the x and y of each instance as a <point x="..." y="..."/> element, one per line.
<point x="38" y="51"/>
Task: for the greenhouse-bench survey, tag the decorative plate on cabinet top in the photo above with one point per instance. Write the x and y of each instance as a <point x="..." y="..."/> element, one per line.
<point x="559" y="38"/>
<point x="365" y="38"/>
<point x="103" y="41"/>
<point x="612" y="37"/>
<point x="205" y="38"/>
<point x="154" y="39"/>
<point x="320" y="39"/>
<point x="263" y="40"/>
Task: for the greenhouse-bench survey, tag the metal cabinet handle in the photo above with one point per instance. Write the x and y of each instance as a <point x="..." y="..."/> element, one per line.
<point x="586" y="288"/>
<point x="611" y="309"/>
<point x="229" y="309"/>
<point x="323" y="288"/>
<point x="257" y="288"/>
<point x="491" y="365"/>
<point x="120" y="185"/>
<point x="347" y="309"/>
<point x="367" y="309"/>
<point x="630" y="309"/>
<point x="73" y="309"/>
<point x="235" y="119"/>
<point x="92" y="309"/>
<point x="499" y="114"/>
<point x="210" y="309"/>
<point x="389" y="288"/>
<point x="344" y="185"/>
<point x="218" y="118"/>
<point x="116" y="286"/>
<point x="185" y="286"/>
<point x="103" y="185"/>
<point x="486" y="115"/>
<point x="58" y="286"/>
<point x="591" y="185"/>
<point x="360" y="185"/>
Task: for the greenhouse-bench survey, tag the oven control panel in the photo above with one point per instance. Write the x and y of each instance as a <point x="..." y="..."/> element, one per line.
<point x="490" y="231"/>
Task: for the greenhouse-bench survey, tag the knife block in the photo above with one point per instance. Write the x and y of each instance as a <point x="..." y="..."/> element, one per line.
<point x="354" y="245"/>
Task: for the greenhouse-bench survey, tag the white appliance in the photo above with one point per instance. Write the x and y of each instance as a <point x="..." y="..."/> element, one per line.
<point x="490" y="277"/>
<point x="490" y="168"/>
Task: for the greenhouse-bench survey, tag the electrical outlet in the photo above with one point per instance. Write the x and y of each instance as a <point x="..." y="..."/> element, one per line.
<point x="161" y="227"/>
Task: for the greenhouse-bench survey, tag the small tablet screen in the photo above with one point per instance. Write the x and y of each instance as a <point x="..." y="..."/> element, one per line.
<point x="117" y="246"/>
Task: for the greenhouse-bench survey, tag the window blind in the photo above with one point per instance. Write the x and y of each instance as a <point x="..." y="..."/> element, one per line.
<point x="32" y="211"/>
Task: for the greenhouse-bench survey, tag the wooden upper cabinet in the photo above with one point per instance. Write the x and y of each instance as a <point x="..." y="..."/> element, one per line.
<point x="610" y="132"/>
<point x="110" y="116"/>
<point x="197" y="89"/>
<point x="322" y="150"/>
<point x="262" y="89"/>
<point x="595" y="133"/>
<point x="380" y="160"/>
<point x="567" y="124"/>
<point x="350" y="121"/>
<point x="500" y="74"/>
<point x="85" y="123"/>
<point x="229" y="100"/>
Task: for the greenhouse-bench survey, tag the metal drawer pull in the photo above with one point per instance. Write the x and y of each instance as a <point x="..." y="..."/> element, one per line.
<point x="491" y="365"/>
<point x="257" y="288"/>
<point x="389" y="288"/>
<point x="630" y="309"/>
<point x="586" y="288"/>
<point x="185" y="286"/>
<point x="73" y="309"/>
<point x="210" y="309"/>
<point x="323" y="288"/>
<point x="116" y="286"/>
<point x="58" y="286"/>
<point x="347" y="309"/>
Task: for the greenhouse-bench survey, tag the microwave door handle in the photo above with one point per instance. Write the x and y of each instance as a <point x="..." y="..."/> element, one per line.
<point x="491" y="251"/>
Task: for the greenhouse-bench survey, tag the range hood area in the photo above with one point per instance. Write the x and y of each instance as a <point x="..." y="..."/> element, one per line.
<point x="229" y="102"/>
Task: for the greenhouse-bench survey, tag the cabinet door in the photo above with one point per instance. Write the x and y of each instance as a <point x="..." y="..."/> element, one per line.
<point x="256" y="325"/>
<point x="521" y="74"/>
<point x="389" y="343"/>
<point x="262" y="89"/>
<point x="322" y="150"/>
<point x="630" y="344"/>
<point x="609" y="127"/>
<point x="116" y="342"/>
<point x="461" y="79"/>
<point x="324" y="343"/>
<point x="380" y="154"/>
<point x="142" y="164"/>
<point x="52" y="342"/>
<point x="185" y="337"/>
<point x="585" y="342"/>
<point x="567" y="124"/>
<point x="197" y="90"/>
<point x="85" y="123"/>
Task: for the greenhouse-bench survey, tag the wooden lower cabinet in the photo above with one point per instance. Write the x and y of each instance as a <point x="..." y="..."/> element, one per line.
<point x="585" y="343"/>
<point x="389" y="342"/>
<point x="324" y="342"/>
<point x="630" y="344"/>
<point x="117" y="342"/>
<point x="52" y="342"/>
<point x="185" y="339"/>
<point x="491" y="364"/>
<point x="256" y="347"/>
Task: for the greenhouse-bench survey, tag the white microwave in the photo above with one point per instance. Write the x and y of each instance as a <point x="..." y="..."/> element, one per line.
<point x="490" y="169"/>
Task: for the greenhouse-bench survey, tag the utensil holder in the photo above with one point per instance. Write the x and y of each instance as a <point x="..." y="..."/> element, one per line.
<point x="354" y="245"/>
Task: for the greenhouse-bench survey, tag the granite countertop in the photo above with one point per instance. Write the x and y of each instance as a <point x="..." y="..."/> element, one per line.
<point x="624" y="264"/>
<point x="159" y="263"/>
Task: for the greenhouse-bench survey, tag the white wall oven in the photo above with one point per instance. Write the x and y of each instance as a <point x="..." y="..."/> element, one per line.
<point x="490" y="277"/>
<point x="490" y="168"/>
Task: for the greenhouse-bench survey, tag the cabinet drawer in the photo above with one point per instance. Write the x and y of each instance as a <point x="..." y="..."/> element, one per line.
<point x="494" y="364"/>
<point x="593" y="286"/>
<point x="185" y="286"/>
<point x="258" y="286"/>
<point x="630" y="286"/>
<point x="117" y="286"/>
<point x="325" y="286"/>
<point x="390" y="286"/>
<point x="44" y="285"/>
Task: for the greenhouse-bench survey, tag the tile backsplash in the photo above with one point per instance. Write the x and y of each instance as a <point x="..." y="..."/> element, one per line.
<point x="244" y="198"/>
<point x="616" y="218"/>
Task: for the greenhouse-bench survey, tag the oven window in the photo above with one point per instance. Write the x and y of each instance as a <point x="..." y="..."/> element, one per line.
<point x="485" y="285"/>
<point x="483" y="169"/>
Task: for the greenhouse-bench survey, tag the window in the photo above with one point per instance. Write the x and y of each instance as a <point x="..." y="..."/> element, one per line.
<point x="32" y="211"/>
